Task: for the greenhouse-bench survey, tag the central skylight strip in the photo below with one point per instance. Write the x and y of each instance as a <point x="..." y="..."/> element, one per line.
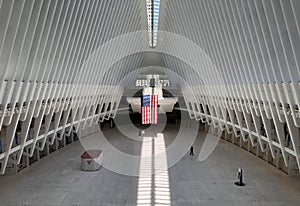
<point x="153" y="16"/>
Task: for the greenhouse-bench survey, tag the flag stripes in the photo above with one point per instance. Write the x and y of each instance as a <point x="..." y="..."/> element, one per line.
<point x="155" y="109"/>
<point x="150" y="109"/>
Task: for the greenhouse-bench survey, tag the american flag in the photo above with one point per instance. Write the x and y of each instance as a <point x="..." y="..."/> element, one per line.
<point x="146" y="109"/>
<point x="149" y="109"/>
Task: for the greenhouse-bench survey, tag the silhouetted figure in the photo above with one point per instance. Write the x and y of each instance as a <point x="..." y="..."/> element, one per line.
<point x="288" y="139"/>
<point x="262" y="130"/>
<point x="240" y="178"/>
<point x="287" y="136"/>
<point x="0" y="145"/>
<point x="192" y="151"/>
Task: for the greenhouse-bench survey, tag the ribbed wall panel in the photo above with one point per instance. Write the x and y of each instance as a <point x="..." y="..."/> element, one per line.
<point x="254" y="45"/>
<point x="45" y="82"/>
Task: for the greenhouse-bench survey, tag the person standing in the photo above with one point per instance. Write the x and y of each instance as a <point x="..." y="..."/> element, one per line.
<point x="0" y="145"/>
<point x="192" y="151"/>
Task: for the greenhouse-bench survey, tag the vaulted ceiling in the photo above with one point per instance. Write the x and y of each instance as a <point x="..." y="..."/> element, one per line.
<point x="240" y="58"/>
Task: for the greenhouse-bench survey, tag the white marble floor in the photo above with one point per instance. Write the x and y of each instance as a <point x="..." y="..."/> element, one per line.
<point x="58" y="180"/>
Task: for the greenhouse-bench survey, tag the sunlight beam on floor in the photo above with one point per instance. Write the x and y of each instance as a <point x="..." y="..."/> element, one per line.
<point x="144" y="193"/>
<point x="153" y="182"/>
<point x="161" y="175"/>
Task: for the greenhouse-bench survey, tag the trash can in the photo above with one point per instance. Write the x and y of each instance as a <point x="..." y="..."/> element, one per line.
<point x="91" y="160"/>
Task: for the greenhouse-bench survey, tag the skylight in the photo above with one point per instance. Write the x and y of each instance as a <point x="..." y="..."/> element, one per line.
<point x="153" y="15"/>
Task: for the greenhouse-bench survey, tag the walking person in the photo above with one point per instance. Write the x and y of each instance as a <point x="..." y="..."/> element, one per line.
<point x="0" y="145"/>
<point x="192" y="151"/>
